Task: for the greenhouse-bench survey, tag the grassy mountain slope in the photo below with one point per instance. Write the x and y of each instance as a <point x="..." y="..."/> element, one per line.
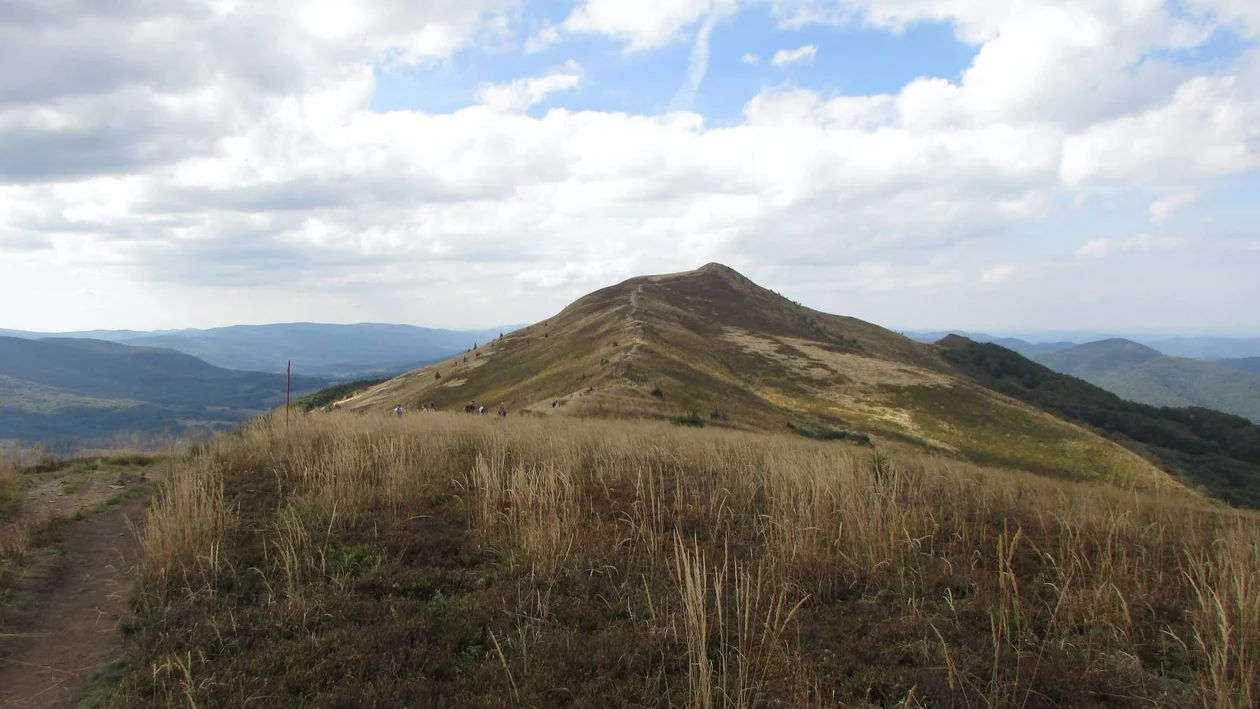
<point x="1016" y="344"/>
<point x="1206" y="448"/>
<point x="714" y="343"/>
<point x="452" y="561"/>
<point x="1098" y="357"/>
<point x="73" y="388"/>
<point x="1242" y="364"/>
<point x="1141" y="374"/>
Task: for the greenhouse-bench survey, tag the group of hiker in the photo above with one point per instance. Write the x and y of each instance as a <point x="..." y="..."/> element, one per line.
<point x="470" y="408"/>
<point x="473" y="408"/>
<point x="426" y="407"/>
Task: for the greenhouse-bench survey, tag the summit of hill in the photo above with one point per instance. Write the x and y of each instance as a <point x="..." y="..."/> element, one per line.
<point x="712" y="347"/>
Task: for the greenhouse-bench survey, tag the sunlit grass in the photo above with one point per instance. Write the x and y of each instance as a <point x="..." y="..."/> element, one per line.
<point x="714" y="568"/>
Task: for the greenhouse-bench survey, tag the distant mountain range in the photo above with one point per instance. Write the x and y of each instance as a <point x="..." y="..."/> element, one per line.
<point x="1014" y="344"/>
<point x="1209" y="348"/>
<point x="332" y="351"/>
<point x="78" y="389"/>
<point x="1244" y="364"/>
<point x="1144" y="373"/>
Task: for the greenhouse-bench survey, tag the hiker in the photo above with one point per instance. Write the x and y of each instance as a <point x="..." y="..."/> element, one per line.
<point x="502" y="411"/>
<point x="398" y="411"/>
<point x="481" y="411"/>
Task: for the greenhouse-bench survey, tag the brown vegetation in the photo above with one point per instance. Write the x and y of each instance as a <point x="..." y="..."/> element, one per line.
<point x="456" y="560"/>
<point x="662" y="347"/>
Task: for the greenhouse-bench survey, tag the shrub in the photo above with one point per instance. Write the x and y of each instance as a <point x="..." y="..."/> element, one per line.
<point x="658" y="393"/>
<point x="823" y="432"/>
<point x="691" y="419"/>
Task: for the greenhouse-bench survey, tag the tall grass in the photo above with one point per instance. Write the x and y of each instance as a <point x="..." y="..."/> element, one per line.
<point x="10" y="490"/>
<point x="775" y="567"/>
<point x="185" y="529"/>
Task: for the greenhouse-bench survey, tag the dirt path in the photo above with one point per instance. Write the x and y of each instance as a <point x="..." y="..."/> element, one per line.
<point x="636" y="331"/>
<point x="71" y="632"/>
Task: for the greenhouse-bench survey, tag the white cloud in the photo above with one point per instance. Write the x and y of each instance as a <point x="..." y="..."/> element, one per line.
<point x="751" y="59"/>
<point x="643" y="24"/>
<point x="236" y="161"/>
<point x="1164" y="207"/>
<point x="1241" y="15"/>
<point x="521" y="94"/>
<point x="1094" y="248"/>
<point x="998" y="274"/>
<point x="805" y="54"/>
<point x="1213" y="118"/>
<point x="544" y="40"/>
<point x="699" y="65"/>
<point x="1098" y="248"/>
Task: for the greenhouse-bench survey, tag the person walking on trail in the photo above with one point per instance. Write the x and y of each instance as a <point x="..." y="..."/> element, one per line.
<point x="398" y="411"/>
<point x="502" y="411"/>
<point x="482" y="410"/>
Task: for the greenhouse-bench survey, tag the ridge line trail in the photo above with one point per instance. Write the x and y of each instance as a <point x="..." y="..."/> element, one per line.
<point x="50" y="656"/>
<point x="636" y="331"/>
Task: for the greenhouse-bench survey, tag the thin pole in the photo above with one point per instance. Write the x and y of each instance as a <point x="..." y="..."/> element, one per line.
<point x="288" y="378"/>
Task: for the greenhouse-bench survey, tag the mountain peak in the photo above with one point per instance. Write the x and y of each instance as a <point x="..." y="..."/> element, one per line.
<point x="954" y="341"/>
<point x="721" y="268"/>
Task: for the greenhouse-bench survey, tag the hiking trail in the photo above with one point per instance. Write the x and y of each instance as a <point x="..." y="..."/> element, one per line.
<point x="49" y="656"/>
<point x="636" y="332"/>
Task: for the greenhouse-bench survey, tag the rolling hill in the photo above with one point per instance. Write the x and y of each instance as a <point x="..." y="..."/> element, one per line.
<point x="1142" y="374"/>
<point x="1014" y="344"/>
<point x="1242" y="364"/>
<point x="1217" y="452"/>
<point x="326" y="350"/>
<point x="77" y="389"/>
<point x="1207" y="347"/>
<point x="712" y="346"/>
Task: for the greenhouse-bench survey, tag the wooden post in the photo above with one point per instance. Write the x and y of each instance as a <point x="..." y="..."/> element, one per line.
<point x="288" y="377"/>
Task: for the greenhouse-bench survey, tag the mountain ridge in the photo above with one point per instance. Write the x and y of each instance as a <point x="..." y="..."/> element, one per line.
<point x="75" y="389"/>
<point x="1142" y="374"/>
<point x="339" y="351"/>
<point x="1216" y="452"/>
<point x="711" y="344"/>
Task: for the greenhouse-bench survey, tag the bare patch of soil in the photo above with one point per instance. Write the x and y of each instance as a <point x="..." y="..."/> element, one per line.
<point x="49" y="656"/>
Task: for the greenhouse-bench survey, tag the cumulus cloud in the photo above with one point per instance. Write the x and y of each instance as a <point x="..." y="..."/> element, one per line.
<point x="751" y="59"/>
<point x="521" y="94"/>
<point x="998" y="274"/>
<point x="642" y="25"/>
<point x="1164" y="207"/>
<point x="238" y="162"/>
<point x="785" y="57"/>
<point x="544" y="40"/>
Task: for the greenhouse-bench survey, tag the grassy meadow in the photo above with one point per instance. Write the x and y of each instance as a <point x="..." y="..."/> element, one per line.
<point x="451" y="560"/>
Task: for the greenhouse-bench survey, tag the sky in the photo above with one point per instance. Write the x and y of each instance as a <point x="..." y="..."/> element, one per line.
<point x="990" y="165"/>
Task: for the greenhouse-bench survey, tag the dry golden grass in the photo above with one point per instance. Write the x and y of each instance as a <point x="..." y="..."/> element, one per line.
<point x="10" y="489"/>
<point x="718" y="568"/>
